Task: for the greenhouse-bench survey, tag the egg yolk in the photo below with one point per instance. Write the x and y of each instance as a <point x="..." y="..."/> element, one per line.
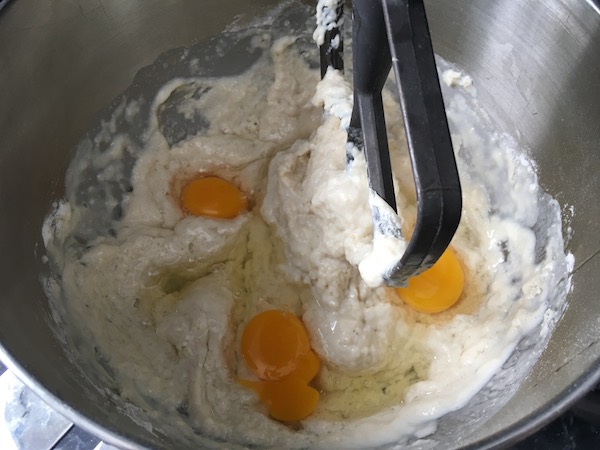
<point x="288" y="400"/>
<point x="276" y="348"/>
<point x="272" y="343"/>
<point x="308" y="367"/>
<point x="212" y="197"/>
<point x="436" y="289"/>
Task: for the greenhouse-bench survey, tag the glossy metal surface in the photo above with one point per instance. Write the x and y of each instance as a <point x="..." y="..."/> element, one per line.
<point x="536" y="66"/>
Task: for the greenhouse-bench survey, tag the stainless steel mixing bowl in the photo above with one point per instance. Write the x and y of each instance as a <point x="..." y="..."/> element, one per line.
<point x="536" y="65"/>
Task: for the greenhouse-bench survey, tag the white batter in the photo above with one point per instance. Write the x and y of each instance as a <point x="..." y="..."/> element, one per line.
<point x="157" y="308"/>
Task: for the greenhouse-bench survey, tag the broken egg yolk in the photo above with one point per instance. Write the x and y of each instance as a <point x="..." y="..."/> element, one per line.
<point x="276" y="348"/>
<point x="436" y="289"/>
<point x="214" y="197"/>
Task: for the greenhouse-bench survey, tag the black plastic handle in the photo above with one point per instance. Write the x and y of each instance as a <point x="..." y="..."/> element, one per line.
<point x="372" y="62"/>
<point x="395" y="33"/>
<point x="332" y="55"/>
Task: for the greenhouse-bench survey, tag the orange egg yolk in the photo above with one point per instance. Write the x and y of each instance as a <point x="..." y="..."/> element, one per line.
<point x="288" y="400"/>
<point x="272" y="344"/>
<point x="212" y="197"/>
<point x="436" y="289"/>
<point x="276" y="348"/>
